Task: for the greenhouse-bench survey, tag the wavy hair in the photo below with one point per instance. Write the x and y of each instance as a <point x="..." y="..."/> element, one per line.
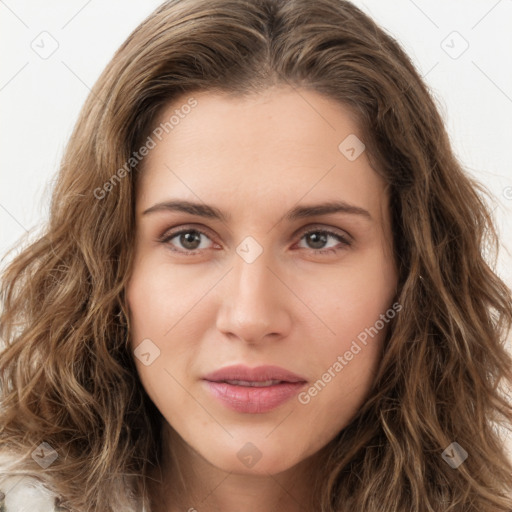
<point x="67" y="375"/>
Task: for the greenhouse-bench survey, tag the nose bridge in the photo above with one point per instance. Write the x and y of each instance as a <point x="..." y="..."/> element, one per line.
<point x="251" y="302"/>
<point x="252" y="277"/>
<point x="251" y="287"/>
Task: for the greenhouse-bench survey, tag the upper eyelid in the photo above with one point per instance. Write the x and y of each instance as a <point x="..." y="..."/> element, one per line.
<point x="334" y="231"/>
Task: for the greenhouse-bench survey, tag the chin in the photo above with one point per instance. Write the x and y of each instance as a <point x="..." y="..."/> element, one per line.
<point x="252" y="458"/>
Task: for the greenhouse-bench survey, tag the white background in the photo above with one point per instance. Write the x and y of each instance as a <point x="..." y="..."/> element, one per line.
<point x="40" y="97"/>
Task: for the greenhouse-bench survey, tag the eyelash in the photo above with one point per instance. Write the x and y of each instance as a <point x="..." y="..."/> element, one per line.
<point x="167" y="237"/>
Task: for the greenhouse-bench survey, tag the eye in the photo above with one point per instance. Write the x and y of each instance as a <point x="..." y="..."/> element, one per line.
<point x="313" y="238"/>
<point x="190" y="241"/>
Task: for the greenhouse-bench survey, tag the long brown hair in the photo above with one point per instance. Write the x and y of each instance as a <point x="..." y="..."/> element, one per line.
<point x="67" y="375"/>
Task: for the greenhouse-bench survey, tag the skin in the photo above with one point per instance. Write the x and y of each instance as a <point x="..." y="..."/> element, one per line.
<point x="255" y="158"/>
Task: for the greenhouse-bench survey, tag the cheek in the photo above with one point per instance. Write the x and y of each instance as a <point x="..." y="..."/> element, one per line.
<point x="147" y="304"/>
<point x="150" y="306"/>
<point x="164" y="321"/>
<point x="347" y="355"/>
<point x="345" y="372"/>
<point x="350" y="299"/>
<point x="158" y="297"/>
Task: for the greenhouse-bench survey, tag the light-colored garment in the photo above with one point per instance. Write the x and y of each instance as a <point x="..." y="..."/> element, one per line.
<point x="29" y="494"/>
<point x="26" y="494"/>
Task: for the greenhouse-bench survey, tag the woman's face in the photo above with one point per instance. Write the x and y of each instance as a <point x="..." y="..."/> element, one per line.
<point x="238" y="264"/>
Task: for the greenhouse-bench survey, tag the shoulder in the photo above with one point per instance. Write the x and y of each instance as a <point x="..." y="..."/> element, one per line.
<point x="22" y="493"/>
<point x="27" y="493"/>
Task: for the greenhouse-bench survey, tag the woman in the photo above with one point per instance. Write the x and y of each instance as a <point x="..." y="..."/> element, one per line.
<point x="262" y="284"/>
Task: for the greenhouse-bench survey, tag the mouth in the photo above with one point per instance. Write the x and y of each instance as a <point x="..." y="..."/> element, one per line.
<point x="266" y="374"/>
<point x="253" y="390"/>
<point x="254" y="384"/>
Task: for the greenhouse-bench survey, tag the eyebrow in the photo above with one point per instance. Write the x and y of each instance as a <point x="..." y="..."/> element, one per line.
<point x="298" y="212"/>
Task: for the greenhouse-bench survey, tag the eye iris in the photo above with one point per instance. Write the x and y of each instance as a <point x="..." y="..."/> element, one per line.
<point x="188" y="237"/>
<point x="317" y="238"/>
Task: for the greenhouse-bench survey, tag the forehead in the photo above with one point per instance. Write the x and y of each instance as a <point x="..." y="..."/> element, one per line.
<point x="267" y="149"/>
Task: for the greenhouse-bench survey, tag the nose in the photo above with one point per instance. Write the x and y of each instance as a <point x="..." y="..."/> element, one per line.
<point x="254" y="302"/>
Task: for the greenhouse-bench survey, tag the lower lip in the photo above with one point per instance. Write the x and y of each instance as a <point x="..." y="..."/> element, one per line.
<point x="254" y="399"/>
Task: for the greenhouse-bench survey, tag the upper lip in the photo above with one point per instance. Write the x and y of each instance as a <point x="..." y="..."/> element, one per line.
<point x="257" y="374"/>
